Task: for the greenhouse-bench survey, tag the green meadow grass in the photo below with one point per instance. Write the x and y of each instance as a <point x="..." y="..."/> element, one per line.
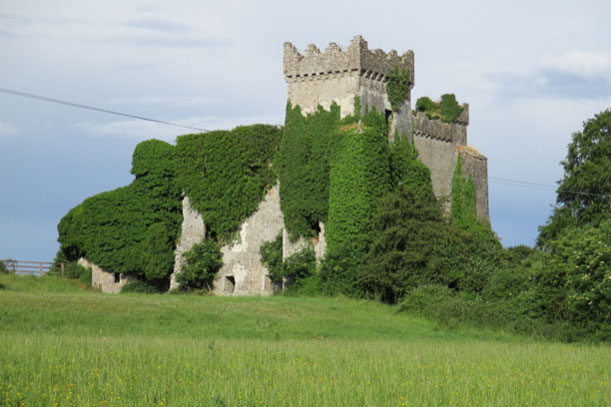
<point x="62" y="345"/>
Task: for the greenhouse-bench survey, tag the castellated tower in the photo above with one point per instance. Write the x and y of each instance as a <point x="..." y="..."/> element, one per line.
<point x="320" y="78"/>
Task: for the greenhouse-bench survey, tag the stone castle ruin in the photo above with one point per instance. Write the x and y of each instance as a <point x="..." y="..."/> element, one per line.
<point x="335" y="75"/>
<point x="319" y="78"/>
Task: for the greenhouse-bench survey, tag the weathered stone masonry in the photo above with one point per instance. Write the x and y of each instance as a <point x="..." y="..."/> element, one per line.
<point x="317" y="78"/>
<point x="320" y="78"/>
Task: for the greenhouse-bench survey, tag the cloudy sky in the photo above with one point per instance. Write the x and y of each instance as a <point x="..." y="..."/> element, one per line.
<point x="532" y="72"/>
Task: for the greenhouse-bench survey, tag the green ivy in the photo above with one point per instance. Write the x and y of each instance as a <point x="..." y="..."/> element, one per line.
<point x="133" y="228"/>
<point x="447" y="109"/>
<point x="405" y="167"/>
<point x="397" y="87"/>
<point x="303" y="166"/>
<point x="360" y="175"/>
<point x="225" y="174"/>
<point x="463" y="208"/>
<point x="458" y="207"/>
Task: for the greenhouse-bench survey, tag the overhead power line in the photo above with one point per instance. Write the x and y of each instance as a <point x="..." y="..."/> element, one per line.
<point x="97" y="109"/>
<point x="502" y="181"/>
<point x="521" y="184"/>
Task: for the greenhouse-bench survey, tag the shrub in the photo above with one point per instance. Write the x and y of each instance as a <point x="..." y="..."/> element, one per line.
<point x="138" y="286"/>
<point x="578" y="273"/>
<point x="447" y="109"/>
<point x="310" y="286"/>
<point x="76" y="271"/>
<point x="201" y="263"/>
<point x="3" y="269"/>
<point x="300" y="265"/>
<point x="338" y="274"/>
<point x="450" y="109"/>
<point x="451" y="310"/>
<point x="86" y="276"/>
<point x="271" y="257"/>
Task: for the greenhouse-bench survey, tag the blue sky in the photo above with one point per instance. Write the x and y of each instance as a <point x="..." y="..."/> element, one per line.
<point x="531" y="72"/>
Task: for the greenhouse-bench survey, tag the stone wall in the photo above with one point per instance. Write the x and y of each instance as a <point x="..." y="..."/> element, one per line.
<point x="438" y="145"/>
<point x="193" y="231"/>
<point x="476" y="165"/>
<point x="319" y="244"/>
<point x="320" y="78"/>
<point x="106" y="281"/>
<point x="440" y="157"/>
<point x="309" y="92"/>
<point x="455" y="132"/>
<point x="242" y="272"/>
<point x="356" y="58"/>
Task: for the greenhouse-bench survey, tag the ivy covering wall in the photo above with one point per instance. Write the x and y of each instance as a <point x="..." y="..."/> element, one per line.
<point x="360" y="174"/>
<point x="225" y="174"/>
<point x="397" y="87"/>
<point x="303" y="167"/>
<point x="134" y="229"/>
<point x="463" y="207"/>
<point x="131" y="229"/>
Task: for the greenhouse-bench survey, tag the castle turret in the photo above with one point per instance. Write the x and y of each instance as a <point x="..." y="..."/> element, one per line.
<point x="320" y="78"/>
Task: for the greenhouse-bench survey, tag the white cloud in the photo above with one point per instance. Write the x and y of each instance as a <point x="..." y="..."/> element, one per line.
<point x="580" y="63"/>
<point x="7" y="129"/>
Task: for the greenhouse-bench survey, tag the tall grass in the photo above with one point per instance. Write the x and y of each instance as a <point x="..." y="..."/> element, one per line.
<point x="82" y="348"/>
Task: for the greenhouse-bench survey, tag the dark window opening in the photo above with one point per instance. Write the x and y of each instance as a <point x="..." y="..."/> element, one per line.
<point x="387" y="114"/>
<point x="229" y="284"/>
<point x="117" y="277"/>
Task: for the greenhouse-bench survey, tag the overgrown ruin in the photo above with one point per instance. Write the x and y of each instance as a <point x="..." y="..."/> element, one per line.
<point x="319" y="80"/>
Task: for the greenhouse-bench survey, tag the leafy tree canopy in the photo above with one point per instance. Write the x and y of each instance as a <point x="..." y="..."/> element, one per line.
<point x="584" y="192"/>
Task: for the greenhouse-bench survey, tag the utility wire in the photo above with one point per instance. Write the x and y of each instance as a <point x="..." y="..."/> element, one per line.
<point x="502" y="181"/>
<point x="521" y="184"/>
<point x="97" y="109"/>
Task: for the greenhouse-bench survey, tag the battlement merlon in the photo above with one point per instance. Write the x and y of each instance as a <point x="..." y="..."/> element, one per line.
<point x="455" y="132"/>
<point x="357" y="57"/>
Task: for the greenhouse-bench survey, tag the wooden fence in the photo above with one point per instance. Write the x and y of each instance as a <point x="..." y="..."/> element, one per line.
<point x="30" y="267"/>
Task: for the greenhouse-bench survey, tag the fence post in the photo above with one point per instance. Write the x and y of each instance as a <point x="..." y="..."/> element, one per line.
<point x="14" y="267"/>
<point x="62" y="266"/>
<point x="40" y="264"/>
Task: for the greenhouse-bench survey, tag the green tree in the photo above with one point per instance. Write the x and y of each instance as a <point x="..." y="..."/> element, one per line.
<point x="412" y="245"/>
<point x="584" y="192"/>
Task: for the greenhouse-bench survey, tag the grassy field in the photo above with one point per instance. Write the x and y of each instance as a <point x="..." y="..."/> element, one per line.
<point x="62" y="345"/>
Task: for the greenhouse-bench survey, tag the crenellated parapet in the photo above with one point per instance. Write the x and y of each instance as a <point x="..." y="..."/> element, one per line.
<point x="454" y="132"/>
<point x="356" y="58"/>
